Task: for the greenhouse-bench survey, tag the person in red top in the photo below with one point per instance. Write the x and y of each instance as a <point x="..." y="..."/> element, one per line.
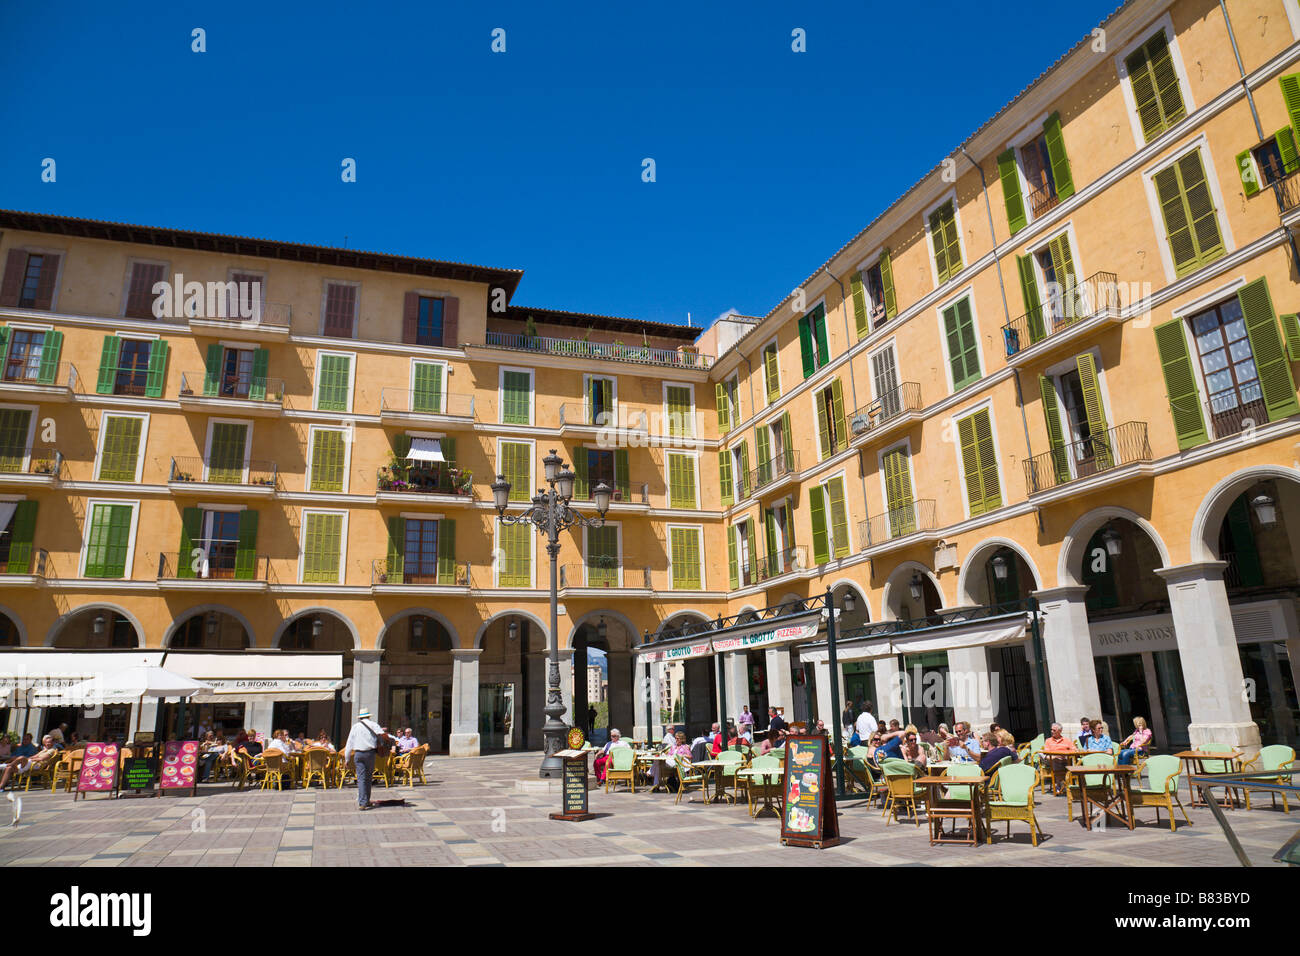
<point x="715" y="739"/>
<point x="1058" y="743"/>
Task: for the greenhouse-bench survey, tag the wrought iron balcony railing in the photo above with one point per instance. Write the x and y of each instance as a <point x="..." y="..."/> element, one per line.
<point x="419" y="572"/>
<point x="434" y="478"/>
<point x="64" y="375"/>
<point x="405" y="401"/>
<point x="893" y="404"/>
<point x="779" y="466"/>
<point x="1065" y="306"/>
<point x="898" y="522"/>
<point x="214" y="561"/>
<point x="252" y="474"/>
<point x="38" y="460"/>
<point x="603" y="573"/>
<point x="589" y="415"/>
<point x="1096" y="454"/>
<point x="613" y="351"/>
<point x="249" y="388"/>
<point x="1043" y="199"/>
<point x="773" y="564"/>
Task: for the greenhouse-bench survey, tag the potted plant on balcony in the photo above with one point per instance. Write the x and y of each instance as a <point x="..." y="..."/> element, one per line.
<point x="530" y="333"/>
<point x="464" y="482"/>
<point x="43" y="466"/>
<point x="181" y="475"/>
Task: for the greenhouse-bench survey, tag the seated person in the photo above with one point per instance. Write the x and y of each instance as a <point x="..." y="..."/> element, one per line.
<point x="43" y="758"/>
<point x="775" y="721"/>
<point x="912" y="750"/>
<point x="280" y="741"/>
<point x="997" y="746"/>
<point x="958" y="752"/>
<point x="323" y="740"/>
<point x="892" y="744"/>
<point x="1055" y="744"/>
<point x="406" y="741"/>
<point x="603" y="759"/>
<point x="665" y="771"/>
<point x="1085" y="731"/>
<point x="1136" y="742"/>
<point x="1099" y="741"/>
<point x="770" y="742"/>
<point x="26" y="748"/>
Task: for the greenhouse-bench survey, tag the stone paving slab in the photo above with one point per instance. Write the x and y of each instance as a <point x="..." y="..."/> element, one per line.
<point x="471" y="814"/>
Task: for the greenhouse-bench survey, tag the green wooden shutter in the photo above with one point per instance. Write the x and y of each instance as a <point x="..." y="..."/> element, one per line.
<point x="823" y="425"/>
<point x="395" y="564"/>
<point x="517" y="398"/>
<point x="1286" y="149"/>
<point x="898" y="493"/>
<point x="327" y="453"/>
<point x="837" y="406"/>
<point x="1191" y="223"/>
<point x="121" y="448"/>
<point x="323" y="539"/>
<point x="402" y="445"/>
<point x="724" y="478"/>
<point x="979" y="463"/>
<point x="1011" y="194"/>
<point x="819" y="335"/>
<point x="108" y="358"/>
<point x="839" y="514"/>
<point x="733" y="561"/>
<point x="1060" y="163"/>
<point x="1249" y="178"/>
<point x="681" y="481"/>
<point x="602" y="557"/>
<point x="688" y="481"/>
<point x="427" y="394"/>
<point x="1063" y="263"/>
<point x="212" y="369"/>
<point x="1055" y="434"/>
<point x="447" y="551"/>
<point x="4" y="335"/>
<point x="817" y="510"/>
<point x="1154" y="81"/>
<point x="22" y="532"/>
<point x="1180" y="385"/>
<point x="742" y="480"/>
<point x="516" y="461"/>
<point x="448" y="446"/>
<point x="622" y="479"/>
<point x="680" y="417"/>
<point x="261" y="365"/>
<point x="970" y="465"/>
<point x="156" y="374"/>
<point x="859" y="304"/>
<point x="226" y="455"/>
<point x="771" y="373"/>
<point x="1029" y="292"/>
<point x="806" y="347"/>
<point x="752" y="566"/>
<point x="887" y="281"/>
<point x="1245" y="551"/>
<point x="1095" y="410"/>
<point x="724" y="410"/>
<point x="988" y="461"/>
<point x="946" y="241"/>
<point x="787" y="442"/>
<point x="246" y="551"/>
<point x="963" y="348"/>
<point x="332" y="384"/>
<point x="107" y="543"/>
<point x="763" y="446"/>
<point x="769" y="528"/>
<point x="581" y="468"/>
<point x="51" y="349"/>
<point x="1291" y="331"/>
<point x="14" y="425"/>
<point x="1271" y="362"/>
<point x="684" y="548"/>
<point x="1291" y="97"/>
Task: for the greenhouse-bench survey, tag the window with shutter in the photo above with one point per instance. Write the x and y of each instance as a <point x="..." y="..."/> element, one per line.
<point x="29" y="279"/>
<point x="603" y="557"/>
<point x="133" y="367"/>
<point x="884" y="376"/>
<point x="23" y="360"/>
<point x="1154" y="83"/>
<point x="14" y="425"/>
<point x="1012" y="197"/>
<point x="946" y="241"/>
<point x="724" y="478"/>
<point x="109" y="540"/>
<point x="839" y="517"/>
<point x="771" y="373"/>
<point x="332" y="380"/>
<point x="1180" y="384"/>
<point x="963" y="346"/>
<point x="979" y="463"/>
<point x="681" y="481"/>
<point x="515" y="555"/>
<point x="428" y="321"/>
<point x="516" y="397"/>
<point x="684" y="552"/>
<point x="680" y="410"/>
<point x="1191" y="222"/>
<point x="322" y="547"/>
<point x="328" y="451"/>
<point x="226" y="452"/>
<point x="17" y="539"/>
<point x="120" y="452"/>
<point x="817" y="515"/>
<point x="898" y="492"/>
<point x="517" y="466"/>
<point x="426" y="396"/>
<point x="340" y="310"/>
<point x="140" y="295"/>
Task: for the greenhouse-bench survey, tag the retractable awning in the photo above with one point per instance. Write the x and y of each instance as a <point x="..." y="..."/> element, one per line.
<point x="986" y="632"/>
<point x="742" y="638"/>
<point x="425" y="449"/>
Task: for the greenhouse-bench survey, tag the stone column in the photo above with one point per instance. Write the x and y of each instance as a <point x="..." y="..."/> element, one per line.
<point x="973" y="697"/>
<point x="780" y="688"/>
<point x="735" y="667"/>
<point x="826" y="708"/>
<point x="889" y="699"/>
<point x="535" y="675"/>
<point x="365" y="682"/>
<point x="1067" y="643"/>
<point x="464" y="740"/>
<point x="645" y="681"/>
<point x="1207" y="647"/>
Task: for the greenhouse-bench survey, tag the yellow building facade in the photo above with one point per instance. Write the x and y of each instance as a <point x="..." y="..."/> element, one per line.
<point x="1039" y="419"/>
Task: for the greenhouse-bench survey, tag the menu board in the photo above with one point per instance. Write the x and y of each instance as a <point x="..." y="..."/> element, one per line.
<point x="138" y="775"/>
<point x="809" y="817"/>
<point x="99" y="769"/>
<point x="573" y="789"/>
<point x="180" y="766"/>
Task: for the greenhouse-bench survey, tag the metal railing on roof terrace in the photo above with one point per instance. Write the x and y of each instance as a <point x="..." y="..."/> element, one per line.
<point x="611" y="351"/>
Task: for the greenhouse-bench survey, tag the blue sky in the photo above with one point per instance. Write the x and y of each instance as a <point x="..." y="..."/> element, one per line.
<point x="766" y="160"/>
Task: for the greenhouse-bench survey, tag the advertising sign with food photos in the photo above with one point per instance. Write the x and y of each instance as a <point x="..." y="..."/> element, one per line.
<point x="180" y="763"/>
<point x="100" y="765"/>
<point x="808" y="817"/>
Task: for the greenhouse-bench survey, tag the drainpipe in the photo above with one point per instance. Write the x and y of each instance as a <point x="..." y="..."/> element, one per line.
<point x="1006" y="310"/>
<point x="1259" y="127"/>
<point x="853" y="387"/>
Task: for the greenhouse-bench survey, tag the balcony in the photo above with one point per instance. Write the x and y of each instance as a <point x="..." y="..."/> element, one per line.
<point x="24" y="572"/>
<point x="194" y="476"/>
<point x="27" y="382"/>
<point x="780" y="471"/>
<point x="217" y="566"/>
<point x="588" y="420"/>
<point x="248" y="396"/>
<point x="684" y="358"/>
<point x="913" y="518"/>
<point x="412" y="576"/>
<point x="34" y="465"/>
<point x="425" y="482"/>
<point x="1043" y="199"/>
<point x="271" y="324"/>
<point x="770" y="565"/>
<point x="890" y="412"/>
<point x="604" y="575"/>
<point x="1096" y="455"/>
<point x="1065" y="316"/>
<point x="403" y="406"/>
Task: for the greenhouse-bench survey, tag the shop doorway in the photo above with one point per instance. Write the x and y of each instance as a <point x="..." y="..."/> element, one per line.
<point x="496" y="706"/>
<point x="290" y="715"/>
<point x="408" y="706"/>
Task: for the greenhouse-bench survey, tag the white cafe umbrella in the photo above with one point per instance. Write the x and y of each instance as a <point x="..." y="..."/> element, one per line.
<point x="131" y="685"/>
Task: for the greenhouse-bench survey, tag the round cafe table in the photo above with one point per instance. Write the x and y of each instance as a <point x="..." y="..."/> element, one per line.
<point x="1069" y="756"/>
<point x="769" y="787"/>
<point x="1194" y="761"/>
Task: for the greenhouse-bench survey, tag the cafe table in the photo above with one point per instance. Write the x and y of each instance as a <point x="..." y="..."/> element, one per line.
<point x="646" y="759"/>
<point x="938" y="808"/>
<point x="1069" y="756"/>
<point x="712" y="769"/>
<point x="772" y="778"/>
<point x="1119" y="800"/>
<point x="1194" y="763"/>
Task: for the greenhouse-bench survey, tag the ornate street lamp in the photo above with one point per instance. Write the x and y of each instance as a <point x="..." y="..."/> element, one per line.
<point x="417" y="629"/>
<point x="99" y="624"/>
<point x="1000" y="568"/>
<point x="850" y="601"/>
<point x="1113" y="542"/>
<point x="915" y="585"/>
<point x="316" y="627"/>
<point x="1265" y="510"/>
<point x="551" y="514"/>
<point x="213" y="624"/>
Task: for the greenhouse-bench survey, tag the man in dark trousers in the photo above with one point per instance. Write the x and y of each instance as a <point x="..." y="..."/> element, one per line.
<point x="364" y="740"/>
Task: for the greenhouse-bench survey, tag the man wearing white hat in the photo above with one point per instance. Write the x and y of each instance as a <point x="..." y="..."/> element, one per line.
<point x="363" y="741"/>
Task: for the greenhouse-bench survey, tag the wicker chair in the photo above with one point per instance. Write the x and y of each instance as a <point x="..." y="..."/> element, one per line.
<point x="383" y="769"/>
<point x="757" y="786"/>
<point x="411" y="765"/>
<point x="1089" y="781"/>
<point x="686" y="777"/>
<point x="1163" y="771"/>
<point x="1278" y="757"/>
<point x="66" y="769"/>
<point x="43" y="773"/>
<point x="272" y="769"/>
<point x="901" y="790"/>
<point x="315" y="765"/>
<point x="1014" y="784"/>
<point x="621" y="766"/>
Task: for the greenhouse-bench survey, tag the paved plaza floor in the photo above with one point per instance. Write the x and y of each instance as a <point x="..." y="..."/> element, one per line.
<point x="471" y="814"/>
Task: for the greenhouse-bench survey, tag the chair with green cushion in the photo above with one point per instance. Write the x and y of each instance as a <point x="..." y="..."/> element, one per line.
<point x="778" y="752"/>
<point x="686" y="777"/>
<point x="757" y="785"/>
<point x="622" y="766"/>
<point x="733" y="761"/>
<point x="1097" y="785"/>
<point x="1273" y="757"/>
<point x="1215" y="766"/>
<point x="900" y="790"/>
<point x="1163" y="771"/>
<point x="1027" y="751"/>
<point x="960" y="793"/>
<point x="1015" y="800"/>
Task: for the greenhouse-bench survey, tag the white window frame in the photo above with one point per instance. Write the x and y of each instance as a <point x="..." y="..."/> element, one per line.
<point x="618" y="528"/>
<point x="1184" y="315"/>
<point x="668" y="537"/>
<point x="822" y="482"/>
<point x="58" y="276"/>
<point x="104" y="416"/>
<point x="131" y="263"/>
<point x="1292" y="8"/>
<point x="446" y="375"/>
<point x="31" y="432"/>
<point x="949" y="196"/>
<point x="691" y="430"/>
<point x="1166" y="23"/>
<point x="1040" y="277"/>
<point x="967" y="292"/>
<point x="888" y="345"/>
<point x="501" y="393"/>
<point x="777" y="347"/>
<point x="261" y="278"/>
<point x="326" y="282"/>
<point x="731" y="387"/>
<point x="348" y="438"/>
<point x="91" y="504"/>
<point x="911" y="477"/>
<point x="848" y="417"/>
<point x="1200" y="143"/>
<point x="587" y="379"/>
<point x="695" y="457"/>
<point x="532" y="461"/>
<point x="352" y="380"/>
<point x="499" y="556"/>
<point x="248" y="444"/>
<point x="985" y="403"/>
<point x="1055" y="373"/>
<point x="343" y="544"/>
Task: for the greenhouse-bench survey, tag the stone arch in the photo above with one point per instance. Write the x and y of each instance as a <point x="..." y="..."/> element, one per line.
<point x="899" y="577"/>
<point x="1214" y="506"/>
<point x="976" y="557"/>
<point x="1076" y="541"/>
<point x="594" y="616"/>
<point x="416" y="612"/>
<point x="672" y="620"/>
<point x="63" y="620"/>
<point x="19" y="627"/>
<point x="306" y="611"/>
<point x="859" y="591"/>
<point x="190" y="612"/>
<point x="529" y="615"/>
